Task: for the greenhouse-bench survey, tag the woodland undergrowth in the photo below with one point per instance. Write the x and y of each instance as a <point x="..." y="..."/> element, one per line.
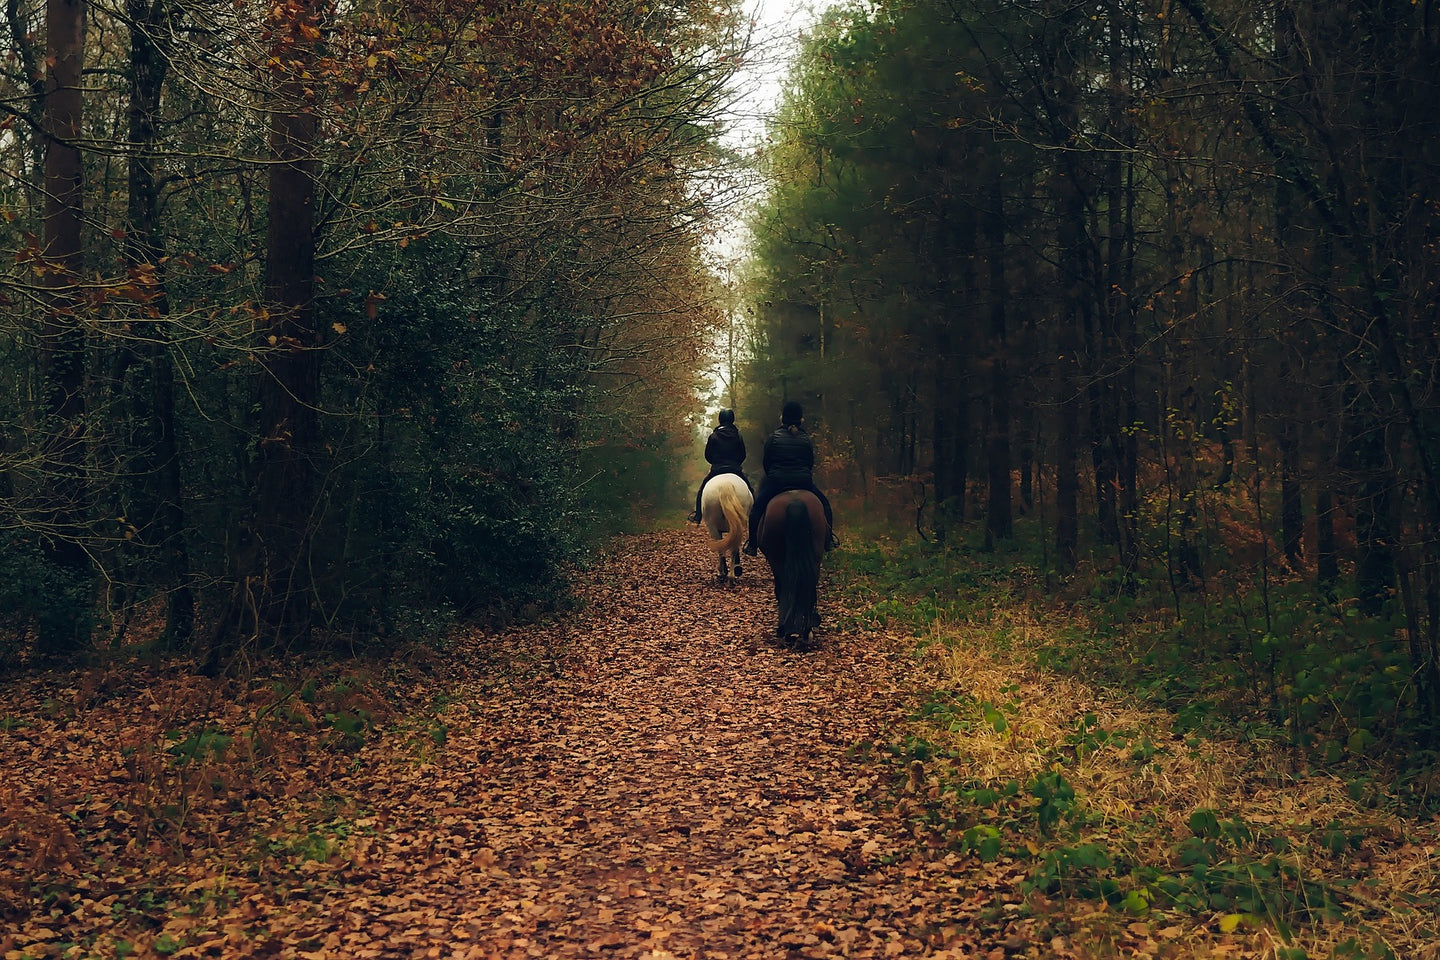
<point x="1153" y="800"/>
<point x="128" y="783"/>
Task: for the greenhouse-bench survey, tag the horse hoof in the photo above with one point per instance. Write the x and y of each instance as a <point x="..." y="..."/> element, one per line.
<point x="738" y="570"/>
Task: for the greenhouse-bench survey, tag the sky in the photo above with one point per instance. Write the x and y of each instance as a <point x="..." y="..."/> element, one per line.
<point x="777" y="24"/>
<point x="758" y="85"/>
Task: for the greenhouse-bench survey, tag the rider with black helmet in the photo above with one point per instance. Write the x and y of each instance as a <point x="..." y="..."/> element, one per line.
<point x="725" y="452"/>
<point x="789" y="465"/>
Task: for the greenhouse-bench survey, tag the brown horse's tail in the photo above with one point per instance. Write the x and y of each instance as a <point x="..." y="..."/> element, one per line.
<point x="737" y="522"/>
<point x="796" y="583"/>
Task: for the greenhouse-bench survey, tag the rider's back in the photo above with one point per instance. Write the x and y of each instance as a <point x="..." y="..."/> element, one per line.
<point x="789" y="456"/>
<point x="725" y="447"/>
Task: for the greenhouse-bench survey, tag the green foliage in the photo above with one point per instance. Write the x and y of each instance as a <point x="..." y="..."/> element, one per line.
<point x="39" y="598"/>
<point x="917" y="585"/>
<point x="203" y="744"/>
<point x="1082" y="869"/>
<point x="885" y="147"/>
<point x="1238" y="868"/>
<point x="1251" y="875"/>
<point x="461" y="499"/>
<point x="1225" y="865"/>
<point x="626" y="485"/>
<point x="1054" y="799"/>
<point x="1351" y="948"/>
<point x="1339" y="686"/>
<point x="318" y="844"/>
<point x="475" y="304"/>
<point x="350" y="725"/>
<point x="1088" y="737"/>
<point x="938" y="167"/>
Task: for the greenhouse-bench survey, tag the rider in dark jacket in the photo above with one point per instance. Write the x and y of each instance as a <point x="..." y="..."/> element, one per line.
<point x="725" y="452"/>
<point x="789" y="465"/>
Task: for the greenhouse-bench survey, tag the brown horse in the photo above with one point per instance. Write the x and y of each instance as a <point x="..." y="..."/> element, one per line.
<point x="792" y="536"/>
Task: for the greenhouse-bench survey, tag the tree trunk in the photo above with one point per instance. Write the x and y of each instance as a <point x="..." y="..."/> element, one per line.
<point x="1292" y="516"/>
<point x="999" y="524"/>
<point x="1327" y="562"/>
<point x="1027" y="458"/>
<point x="952" y="397"/>
<point x="62" y="357"/>
<point x="1119" y="307"/>
<point x="940" y="443"/>
<point x="274" y="602"/>
<point x="1073" y="307"/>
<point x="1292" y="510"/>
<point x="960" y="448"/>
<point x="1067" y="478"/>
<point x="1098" y="396"/>
<point x="166" y="528"/>
<point x="1374" y="520"/>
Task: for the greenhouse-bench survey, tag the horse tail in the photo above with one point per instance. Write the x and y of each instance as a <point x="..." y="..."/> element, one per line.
<point x="737" y="521"/>
<point x="800" y="574"/>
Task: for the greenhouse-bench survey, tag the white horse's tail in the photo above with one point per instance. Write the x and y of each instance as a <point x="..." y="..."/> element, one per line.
<point x="737" y="522"/>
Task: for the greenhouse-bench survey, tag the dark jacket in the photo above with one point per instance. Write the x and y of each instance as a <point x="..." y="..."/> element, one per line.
<point x="789" y="457"/>
<point x="725" y="448"/>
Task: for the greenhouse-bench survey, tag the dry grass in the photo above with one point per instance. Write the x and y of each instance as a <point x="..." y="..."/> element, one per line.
<point x="1141" y="810"/>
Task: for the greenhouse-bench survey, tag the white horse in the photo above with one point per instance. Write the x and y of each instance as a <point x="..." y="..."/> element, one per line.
<point x="725" y="510"/>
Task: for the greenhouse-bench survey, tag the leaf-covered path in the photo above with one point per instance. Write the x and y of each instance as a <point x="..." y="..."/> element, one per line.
<point x="675" y="785"/>
<point x="650" y="777"/>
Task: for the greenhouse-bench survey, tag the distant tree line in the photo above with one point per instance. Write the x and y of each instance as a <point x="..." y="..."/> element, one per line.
<point x="339" y="319"/>
<point x="1165" y="270"/>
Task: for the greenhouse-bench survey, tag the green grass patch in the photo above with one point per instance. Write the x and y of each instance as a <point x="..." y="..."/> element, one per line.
<point x="1287" y="666"/>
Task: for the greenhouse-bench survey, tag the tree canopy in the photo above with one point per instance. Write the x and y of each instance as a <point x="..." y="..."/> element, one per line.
<point x="332" y="317"/>
<point x="1165" y="272"/>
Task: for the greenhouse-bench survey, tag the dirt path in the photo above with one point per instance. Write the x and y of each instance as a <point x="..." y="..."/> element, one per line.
<point x="650" y="777"/>
<point x="679" y="787"/>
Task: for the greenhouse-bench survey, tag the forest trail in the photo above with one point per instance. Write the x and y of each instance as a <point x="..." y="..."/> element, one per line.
<point x="653" y="777"/>
<point x="650" y="777"/>
<point x="677" y="785"/>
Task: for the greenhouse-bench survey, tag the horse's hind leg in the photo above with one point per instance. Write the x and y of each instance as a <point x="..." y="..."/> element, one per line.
<point x="735" y="563"/>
